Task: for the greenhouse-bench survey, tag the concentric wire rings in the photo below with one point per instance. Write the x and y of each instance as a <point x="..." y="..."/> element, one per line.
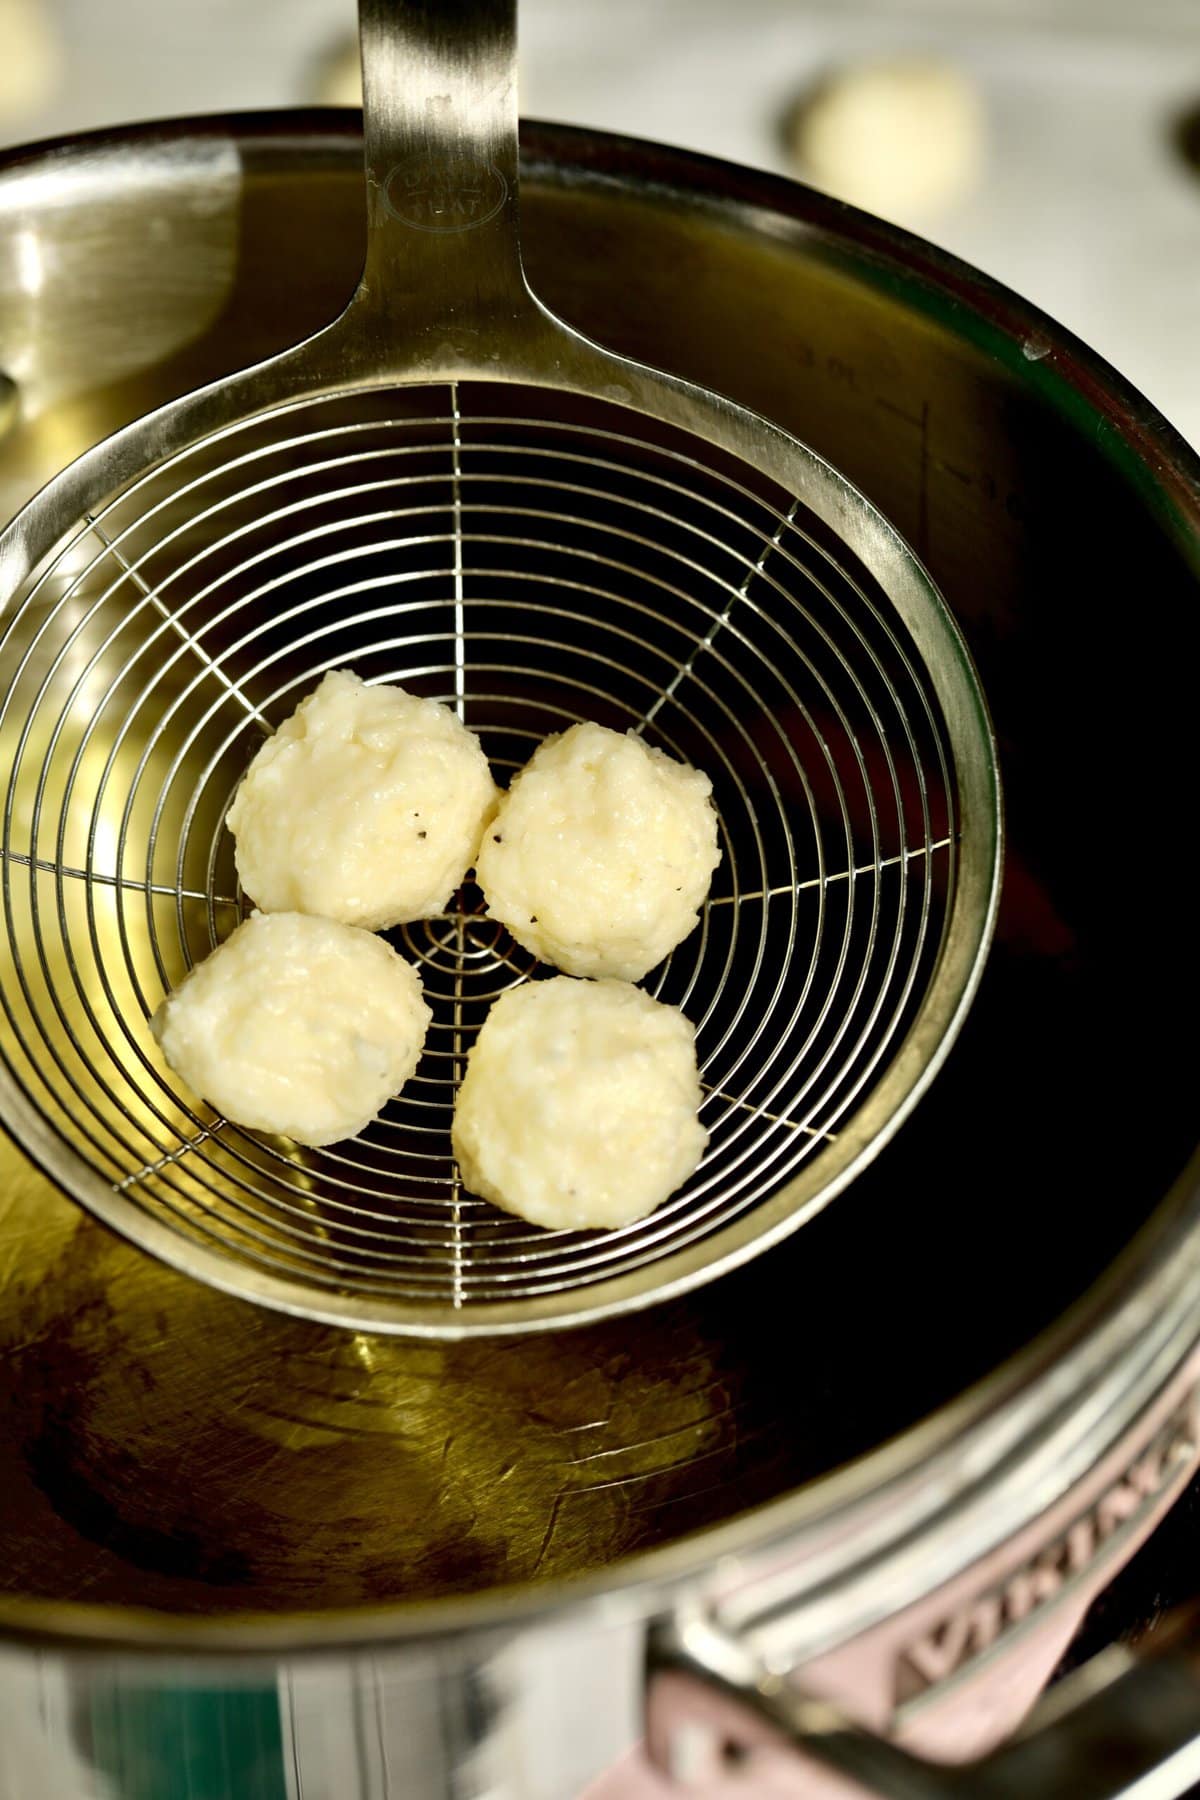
<point x="533" y="560"/>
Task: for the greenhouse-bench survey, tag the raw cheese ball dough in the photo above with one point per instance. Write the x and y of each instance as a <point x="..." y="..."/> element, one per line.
<point x="296" y="1026"/>
<point x="600" y="853"/>
<point x="339" y="75"/>
<point x="578" y="1107"/>
<point x="366" y="806"/>
<point x="903" y="136"/>
<point x="32" y="62"/>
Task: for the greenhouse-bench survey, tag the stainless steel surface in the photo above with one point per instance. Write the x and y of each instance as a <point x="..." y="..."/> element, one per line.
<point x="1126" y="1725"/>
<point x="219" y="1492"/>
<point x="449" y="488"/>
<point x="1084" y="206"/>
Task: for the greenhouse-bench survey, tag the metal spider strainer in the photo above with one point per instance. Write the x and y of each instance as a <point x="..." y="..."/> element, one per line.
<point x="451" y="489"/>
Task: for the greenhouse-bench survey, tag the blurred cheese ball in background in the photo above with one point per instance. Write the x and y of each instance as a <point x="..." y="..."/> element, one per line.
<point x="297" y="1026"/>
<point x="31" y="62"/>
<point x="337" y="76"/>
<point x="578" y="1107"/>
<point x="600" y="853"/>
<point x="367" y="806"/>
<point x="901" y="136"/>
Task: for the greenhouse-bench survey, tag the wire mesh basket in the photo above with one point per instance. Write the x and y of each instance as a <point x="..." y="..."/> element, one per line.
<point x="533" y="559"/>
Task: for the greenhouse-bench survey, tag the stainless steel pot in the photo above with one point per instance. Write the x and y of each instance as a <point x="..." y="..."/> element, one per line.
<point x="888" y="1465"/>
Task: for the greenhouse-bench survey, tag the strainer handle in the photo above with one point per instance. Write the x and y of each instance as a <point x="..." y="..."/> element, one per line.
<point x="441" y="160"/>
<point x="1126" y="1723"/>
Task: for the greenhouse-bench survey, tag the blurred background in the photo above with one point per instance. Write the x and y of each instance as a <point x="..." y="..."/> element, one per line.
<point x="1055" y="143"/>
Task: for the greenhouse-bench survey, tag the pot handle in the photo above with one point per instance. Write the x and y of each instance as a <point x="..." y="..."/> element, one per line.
<point x="1126" y="1723"/>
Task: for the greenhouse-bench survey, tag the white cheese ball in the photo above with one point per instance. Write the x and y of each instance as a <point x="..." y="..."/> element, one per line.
<point x="296" y="1026"/>
<point x="600" y="853"/>
<point x="31" y="66"/>
<point x="578" y="1107"/>
<point x="366" y="806"/>
<point x="902" y="136"/>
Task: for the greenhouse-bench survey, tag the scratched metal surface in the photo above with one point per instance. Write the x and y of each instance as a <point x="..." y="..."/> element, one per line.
<point x="189" y="1449"/>
<point x="166" y="1445"/>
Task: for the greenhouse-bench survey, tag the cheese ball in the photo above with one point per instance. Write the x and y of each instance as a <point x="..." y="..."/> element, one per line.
<point x="366" y="806"/>
<point x="578" y="1107"/>
<point x="600" y="853"/>
<point x="297" y="1026"/>
<point x="902" y="136"/>
<point x="31" y="67"/>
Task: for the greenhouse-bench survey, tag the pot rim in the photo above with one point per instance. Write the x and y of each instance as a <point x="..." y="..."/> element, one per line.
<point x="983" y="1465"/>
